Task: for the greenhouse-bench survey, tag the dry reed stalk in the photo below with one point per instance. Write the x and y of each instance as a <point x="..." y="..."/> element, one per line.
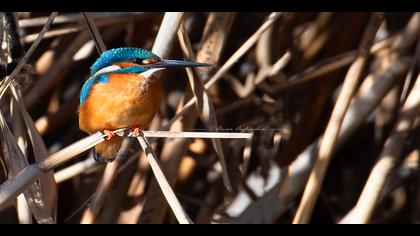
<point x="170" y="163"/>
<point x="207" y="135"/>
<point x="137" y="186"/>
<point x="166" y="188"/>
<point x="167" y="33"/>
<point x="253" y="80"/>
<point x="85" y="166"/>
<point x="80" y="25"/>
<point x="101" y="194"/>
<point x="78" y="18"/>
<point x="138" y="183"/>
<point x="23" y="209"/>
<point x="318" y="94"/>
<point x="264" y="49"/>
<point x="333" y="128"/>
<point x="325" y="66"/>
<point x="370" y="94"/>
<point x="48" y="189"/>
<point x="403" y="173"/>
<point x="111" y="171"/>
<point x="54" y="33"/>
<point x="16" y="185"/>
<point x="204" y="103"/>
<point x="387" y="69"/>
<point x="16" y="162"/>
<point x="393" y="147"/>
<point x="320" y="33"/>
<point x="212" y="45"/>
<point x="94" y="33"/>
<point x="161" y="47"/>
<point x="243" y="49"/>
<point x="313" y="37"/>
<point x="170" y="160"/>
<point x="57" y="72"/>
<point x="228" y="64"/>
<point x="411" y="73"/>
<point x="315" y="71"/>
<point x="41" y="196"/>
<point x="400" y="46"/>
<point x="6" y="82"/>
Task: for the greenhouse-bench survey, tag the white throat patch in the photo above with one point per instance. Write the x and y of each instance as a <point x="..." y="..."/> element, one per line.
<point x="107" y="69"/>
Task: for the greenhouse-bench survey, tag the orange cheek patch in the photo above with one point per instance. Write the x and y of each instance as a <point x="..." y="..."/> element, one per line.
<point x="125" y="64"/>
<point x="152" y="60"/>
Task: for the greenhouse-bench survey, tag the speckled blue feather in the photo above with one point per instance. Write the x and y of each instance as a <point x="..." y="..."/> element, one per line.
<point x="84" y="93"/>
<point x="112" y="56"/>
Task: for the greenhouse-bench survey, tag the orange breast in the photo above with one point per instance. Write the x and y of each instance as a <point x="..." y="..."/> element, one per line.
<point x="126" y="100"/>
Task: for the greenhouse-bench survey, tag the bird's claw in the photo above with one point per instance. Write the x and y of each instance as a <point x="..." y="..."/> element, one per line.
<point x="135" y="131"/>
<point x="109" y="134"/>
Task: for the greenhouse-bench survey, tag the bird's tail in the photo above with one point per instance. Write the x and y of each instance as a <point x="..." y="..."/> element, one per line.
<point x="108" y="149"/>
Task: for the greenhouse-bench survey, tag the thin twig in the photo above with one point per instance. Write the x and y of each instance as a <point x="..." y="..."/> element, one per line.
<point x="177" y="209"/>
<point x="99" y="42"/>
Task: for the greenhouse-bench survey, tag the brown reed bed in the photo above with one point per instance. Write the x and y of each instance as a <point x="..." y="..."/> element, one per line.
<point x="304" y="118"/>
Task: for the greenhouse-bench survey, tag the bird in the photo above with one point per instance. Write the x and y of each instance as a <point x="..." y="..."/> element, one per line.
<point x="122" y="91"/>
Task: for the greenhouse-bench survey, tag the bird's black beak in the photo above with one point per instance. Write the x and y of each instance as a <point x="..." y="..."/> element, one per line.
<point x="175" y="64"/>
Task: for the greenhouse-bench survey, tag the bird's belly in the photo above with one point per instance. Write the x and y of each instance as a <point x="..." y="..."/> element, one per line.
<point x="122" y="102"/>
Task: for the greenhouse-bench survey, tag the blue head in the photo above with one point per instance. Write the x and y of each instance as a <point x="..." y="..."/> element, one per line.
<point x="135" y="55"/>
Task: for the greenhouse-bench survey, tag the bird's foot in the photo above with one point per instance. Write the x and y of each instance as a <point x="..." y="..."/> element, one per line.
<point x="135" y="131"/>
<point x="109" y="134"/>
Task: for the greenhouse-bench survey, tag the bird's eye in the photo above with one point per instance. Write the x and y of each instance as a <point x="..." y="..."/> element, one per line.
<point x="137" y="60"/>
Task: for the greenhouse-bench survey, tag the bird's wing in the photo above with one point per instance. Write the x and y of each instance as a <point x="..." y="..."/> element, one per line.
<point x="87" y="87"/>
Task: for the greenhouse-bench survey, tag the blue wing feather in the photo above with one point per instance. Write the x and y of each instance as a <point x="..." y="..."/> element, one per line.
<point x="87" y="87"/>
<point x="104" y="78"/>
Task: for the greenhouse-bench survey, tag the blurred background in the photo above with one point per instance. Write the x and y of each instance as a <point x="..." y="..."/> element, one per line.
<point x="279" y="76"/>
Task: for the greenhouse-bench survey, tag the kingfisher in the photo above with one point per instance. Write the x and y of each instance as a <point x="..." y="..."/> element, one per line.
<point x="122" y="91"/>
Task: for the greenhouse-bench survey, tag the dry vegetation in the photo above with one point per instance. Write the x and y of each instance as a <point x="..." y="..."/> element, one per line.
<point x="305" y="118"/>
